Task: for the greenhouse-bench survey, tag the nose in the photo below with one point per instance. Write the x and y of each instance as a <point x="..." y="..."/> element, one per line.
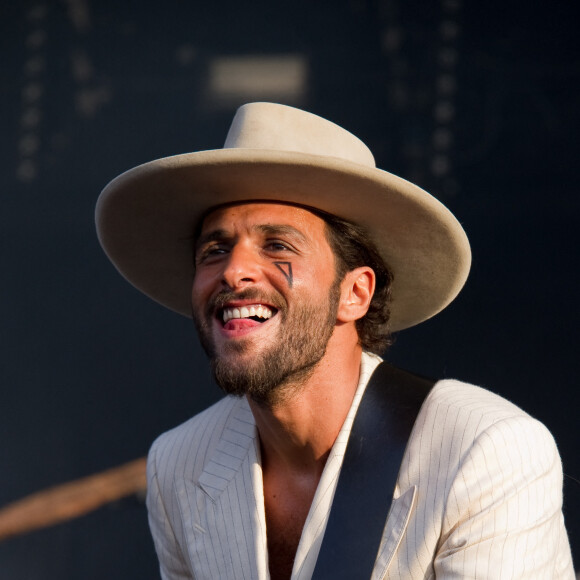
<point x="242" y="268"/>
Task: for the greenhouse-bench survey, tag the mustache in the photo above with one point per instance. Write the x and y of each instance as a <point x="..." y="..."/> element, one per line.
<point x="220" y="300"/>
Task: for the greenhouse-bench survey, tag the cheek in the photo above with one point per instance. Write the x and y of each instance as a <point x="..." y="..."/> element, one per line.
<point x="200" y="290"/>
<point x="287" y="271"/>
<point x="307" y="280"/>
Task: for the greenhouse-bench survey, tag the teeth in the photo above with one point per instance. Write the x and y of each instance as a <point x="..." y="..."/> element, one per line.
<point x="246" y="311"/>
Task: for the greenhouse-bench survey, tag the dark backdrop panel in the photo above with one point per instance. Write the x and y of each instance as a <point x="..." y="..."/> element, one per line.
<point x="478" y="104"/>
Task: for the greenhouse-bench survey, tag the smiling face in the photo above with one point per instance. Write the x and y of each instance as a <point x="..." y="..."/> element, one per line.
<point x="264" y="296"/>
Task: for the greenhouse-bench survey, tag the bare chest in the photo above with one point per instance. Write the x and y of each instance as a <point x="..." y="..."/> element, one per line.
<point x="286" y="509"/>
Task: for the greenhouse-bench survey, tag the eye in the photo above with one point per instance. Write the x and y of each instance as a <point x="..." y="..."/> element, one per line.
<point x="215" y="250"/>
<point x="211" y="251"/>
<point x="277" y="246"/>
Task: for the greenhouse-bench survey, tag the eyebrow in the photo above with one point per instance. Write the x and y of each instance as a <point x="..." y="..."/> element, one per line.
<point x="282" y="229"/>
<point x="213" y="236"/>
<point x="268" y="229"/>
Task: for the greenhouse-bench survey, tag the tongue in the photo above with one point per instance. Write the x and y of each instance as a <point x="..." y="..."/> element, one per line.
<point x="240" y="323"/>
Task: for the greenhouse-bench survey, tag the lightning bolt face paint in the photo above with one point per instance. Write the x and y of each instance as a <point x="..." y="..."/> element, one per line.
<point x="286" y="269"/>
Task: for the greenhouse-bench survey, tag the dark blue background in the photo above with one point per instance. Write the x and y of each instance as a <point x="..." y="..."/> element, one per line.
<point x="91" y="371"/>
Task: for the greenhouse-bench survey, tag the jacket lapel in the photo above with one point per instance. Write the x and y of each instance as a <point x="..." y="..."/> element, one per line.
<point x="223" y="513"/>
<point x="395" y="527"/>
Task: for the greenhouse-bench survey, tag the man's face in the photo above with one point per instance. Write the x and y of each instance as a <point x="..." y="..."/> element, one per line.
<point x="264" y="296"/>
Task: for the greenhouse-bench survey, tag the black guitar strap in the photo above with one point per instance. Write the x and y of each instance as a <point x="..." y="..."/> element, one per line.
<point x="364" y="493"/>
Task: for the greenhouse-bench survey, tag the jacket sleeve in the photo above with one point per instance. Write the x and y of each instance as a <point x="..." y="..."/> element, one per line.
<point x="172" y="564"/>
<point x="503" y="514"/>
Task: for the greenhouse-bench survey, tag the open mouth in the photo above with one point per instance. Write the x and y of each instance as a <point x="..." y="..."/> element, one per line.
<point x="256" y="312"/>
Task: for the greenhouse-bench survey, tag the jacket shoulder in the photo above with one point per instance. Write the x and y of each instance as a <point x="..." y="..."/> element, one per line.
<point x="471" y="403"/>
<point x="458" y="418"/>
<point x="185" y="449"/>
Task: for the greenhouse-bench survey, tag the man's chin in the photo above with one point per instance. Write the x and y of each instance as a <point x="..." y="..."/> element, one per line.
<point x="264" y="380"/>
<point x="239" y="354"/>
<point x="237" y="377"/>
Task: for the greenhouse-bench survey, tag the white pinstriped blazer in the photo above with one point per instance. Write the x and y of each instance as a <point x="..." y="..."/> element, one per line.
<point x="479" y="495"/>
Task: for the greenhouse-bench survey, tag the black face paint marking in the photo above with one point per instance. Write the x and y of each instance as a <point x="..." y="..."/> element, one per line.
<point x="286" y="269"/>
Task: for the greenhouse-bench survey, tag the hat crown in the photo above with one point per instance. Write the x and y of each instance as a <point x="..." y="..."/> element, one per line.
<point x="146" y="216"/>
<point x="282" y="128"/>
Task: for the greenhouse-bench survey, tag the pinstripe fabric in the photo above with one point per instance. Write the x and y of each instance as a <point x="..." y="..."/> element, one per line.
<point x="478" y="495"/>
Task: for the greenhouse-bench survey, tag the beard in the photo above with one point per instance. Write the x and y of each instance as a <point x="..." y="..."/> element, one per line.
<point x="278" y="371"/>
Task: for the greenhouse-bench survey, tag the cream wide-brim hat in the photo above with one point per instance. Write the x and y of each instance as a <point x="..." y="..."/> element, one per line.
<point x="146" y="217"/>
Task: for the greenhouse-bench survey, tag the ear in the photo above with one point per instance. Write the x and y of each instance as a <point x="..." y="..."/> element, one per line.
<point x="357" y="289"/>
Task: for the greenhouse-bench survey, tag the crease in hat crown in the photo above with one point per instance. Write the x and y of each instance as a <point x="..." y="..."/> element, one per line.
<point x="282" y="128"/>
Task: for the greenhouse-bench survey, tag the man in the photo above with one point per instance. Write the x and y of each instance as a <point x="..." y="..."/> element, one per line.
<point x="294" y="255"/>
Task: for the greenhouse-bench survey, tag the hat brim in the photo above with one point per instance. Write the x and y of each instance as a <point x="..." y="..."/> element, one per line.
<point x="147" y="216"/>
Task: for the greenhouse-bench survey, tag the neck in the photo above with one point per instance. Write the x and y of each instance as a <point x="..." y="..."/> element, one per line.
<point x="298" y="430"/>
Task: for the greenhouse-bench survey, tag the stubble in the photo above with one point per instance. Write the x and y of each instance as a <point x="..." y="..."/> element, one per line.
<point x="279" y="371"/>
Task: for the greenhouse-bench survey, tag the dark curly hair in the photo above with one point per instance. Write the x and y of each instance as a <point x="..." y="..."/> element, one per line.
<point x="353" y="247"/>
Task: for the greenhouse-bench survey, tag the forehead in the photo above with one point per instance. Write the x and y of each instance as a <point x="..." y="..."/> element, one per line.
<point x="248" y="216"/>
